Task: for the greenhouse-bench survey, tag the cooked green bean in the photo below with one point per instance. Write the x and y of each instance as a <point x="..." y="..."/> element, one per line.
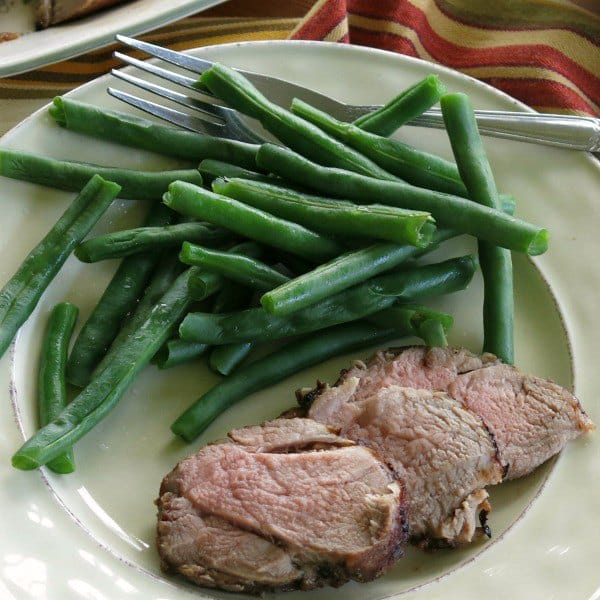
<point x="129" y="130"/>
<point x="224" y="359"/>
<point x="117" y="301"/>
<point x="342" y="273"/>
<point x="332" y="217"/>
<point x="176" y="352"/>
<point x="256" y="324"/>
<point x="231" y="297"/>
<point x="431" y="331"/>
<point x="275" y="367"/>
<point x="449" y="211"/>
<point x="248" y="221"/>
<point x="96" y="400"/>
<point x="307" y="139"/>
<point x="403" y="108"/>
<point x="72" y="176"/>
<point x="163" y="278"/>
<point x="52" y="386"/>
<point x="22" y="292"/>
<point x="414" y="166"/>
<point x="237" y="267"/>
<point x="430" y="325"/>
<point x="140" y="239"/>
<point x="496" y="263"/>
<point x="204" y="283"/>
<point x="210" y="169"/>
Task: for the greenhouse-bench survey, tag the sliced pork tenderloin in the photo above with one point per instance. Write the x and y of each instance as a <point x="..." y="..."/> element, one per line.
<point x="531" y="418"/>
<point x="286" y="505"/>
<point x="442" y="452"/>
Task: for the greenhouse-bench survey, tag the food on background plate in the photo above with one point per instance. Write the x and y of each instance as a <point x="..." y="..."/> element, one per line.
<point x="52" y="12"/>
<point x="7" y="36"/>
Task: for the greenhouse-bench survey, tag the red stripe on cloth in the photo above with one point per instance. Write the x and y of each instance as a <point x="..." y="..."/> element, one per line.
<point x="459" y="57"/>
<point x="327" y="17"/>
<point x="384" y="41"/>
<point x="541" y="92"/>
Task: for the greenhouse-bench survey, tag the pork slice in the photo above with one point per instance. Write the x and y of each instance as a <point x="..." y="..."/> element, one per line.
<point x="441" y="451"/>
<point x="213" y="553"/>
<point x="240" y="517"/>
<point x="532" y="419"/>
<point x="418" y="367"/>
<point x="286" y="435"/>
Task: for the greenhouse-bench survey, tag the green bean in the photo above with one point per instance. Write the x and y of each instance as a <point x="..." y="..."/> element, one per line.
<point x="275" y="367"/>
<point x="129" y="130"/>
<point x="403" y="108"/>
<point x="433" y="334"/>
<point x="140" y="239"/>
<point x="250" y="222"/>
<point x="204" y="283"/>
<point x="449" y="211"/>
<point x="176" y="352"/>
<point x="211" y="169"/>
<point x="224" y="359"/>
<point x="72" y="176"/>
<point x="331" y="217"/>
<point x="307" y="139"/>
<point x="414" y="166"/>
<point x="96" y="400"/>
<point x="237" y="267"/>
<point x="52" y="387"/>
<point x="22" y="292"/>
<point x="255" y="324"/>
<point x="117" y="301"/>
<point x="230" y="297"/>
<point x="496" y="263"/>
<point x="430" y="325"/>
<point x="342" y="273"/>
<point x="167" y="270"/>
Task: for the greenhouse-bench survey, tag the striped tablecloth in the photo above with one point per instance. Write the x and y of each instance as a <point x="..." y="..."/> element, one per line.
<point x="543" y="52"/>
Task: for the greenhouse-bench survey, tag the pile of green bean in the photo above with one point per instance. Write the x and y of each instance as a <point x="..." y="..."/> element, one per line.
<point x="315" y="243"/>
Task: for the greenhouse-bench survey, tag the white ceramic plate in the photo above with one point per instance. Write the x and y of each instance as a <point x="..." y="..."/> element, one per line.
<point x="39" y="48"/>
<point x="91" y="534"/>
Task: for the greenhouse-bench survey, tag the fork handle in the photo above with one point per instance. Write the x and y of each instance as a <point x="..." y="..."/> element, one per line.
<point x="565" y="131"/>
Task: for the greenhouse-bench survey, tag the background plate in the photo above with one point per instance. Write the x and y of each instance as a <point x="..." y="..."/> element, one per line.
<point x="39" y="48"/>
<point x="91" y="534"/>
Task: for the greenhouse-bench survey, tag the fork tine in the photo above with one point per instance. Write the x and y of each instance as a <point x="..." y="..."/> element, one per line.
<point x="168" y="114"/>
<point x="219" y="112"/>
<point x="144" y="65"/>
<point x="191" y="63"/>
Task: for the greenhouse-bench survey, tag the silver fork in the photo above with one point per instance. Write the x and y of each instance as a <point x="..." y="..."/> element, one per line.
<point x="566" y="131"/>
